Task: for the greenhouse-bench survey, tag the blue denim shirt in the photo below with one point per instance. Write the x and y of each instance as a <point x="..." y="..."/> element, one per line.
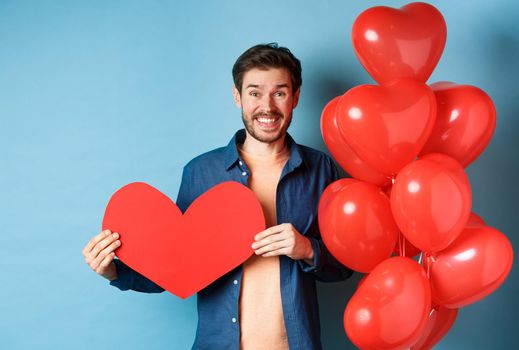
<point x="303" y="179"/>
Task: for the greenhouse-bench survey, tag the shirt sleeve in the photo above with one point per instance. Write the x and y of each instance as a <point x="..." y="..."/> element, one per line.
<point x="325" y="267"/>
<point x="185" y="192"/>
<point x="128" y="278"/>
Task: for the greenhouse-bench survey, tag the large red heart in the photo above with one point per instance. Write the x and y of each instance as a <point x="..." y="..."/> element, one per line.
<point x="465" y="122"/>
<point x="387" y="126"/>
<point x="184" y="253"/>
<point x="399" y="43"/>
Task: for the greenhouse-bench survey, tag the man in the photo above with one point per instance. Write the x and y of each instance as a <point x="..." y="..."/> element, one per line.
<point x="270" y="301"/>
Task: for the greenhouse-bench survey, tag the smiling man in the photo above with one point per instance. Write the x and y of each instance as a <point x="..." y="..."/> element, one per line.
<point x="270" y="301"/>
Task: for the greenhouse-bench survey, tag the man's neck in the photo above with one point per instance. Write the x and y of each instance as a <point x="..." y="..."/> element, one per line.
<point x="258" y="148"/>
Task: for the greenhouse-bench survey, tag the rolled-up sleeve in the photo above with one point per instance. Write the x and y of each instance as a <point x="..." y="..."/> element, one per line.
<point x="128" y="278"/>
<point x="325" y="267"/>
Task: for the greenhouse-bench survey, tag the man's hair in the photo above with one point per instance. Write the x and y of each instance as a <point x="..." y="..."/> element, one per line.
<point x="265" y="56"/>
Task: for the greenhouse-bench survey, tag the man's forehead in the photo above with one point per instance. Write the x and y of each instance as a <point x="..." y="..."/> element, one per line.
<point x="278" y="77"/>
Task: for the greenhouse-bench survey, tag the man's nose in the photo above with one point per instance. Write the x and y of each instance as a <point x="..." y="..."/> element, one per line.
<point x="268" y="104"/>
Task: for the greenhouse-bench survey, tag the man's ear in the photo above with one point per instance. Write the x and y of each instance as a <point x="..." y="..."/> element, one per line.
<point x="237" y="96"/>
<point x="295" y="100"/>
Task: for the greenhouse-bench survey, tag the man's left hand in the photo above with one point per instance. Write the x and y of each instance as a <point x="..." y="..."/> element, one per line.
<point x="283" y="239"/>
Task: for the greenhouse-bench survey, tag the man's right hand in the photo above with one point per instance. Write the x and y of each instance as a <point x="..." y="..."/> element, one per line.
<point x="99" y="254"/>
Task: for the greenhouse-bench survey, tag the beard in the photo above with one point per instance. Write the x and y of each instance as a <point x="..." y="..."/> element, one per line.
<point x="271" y="137"/>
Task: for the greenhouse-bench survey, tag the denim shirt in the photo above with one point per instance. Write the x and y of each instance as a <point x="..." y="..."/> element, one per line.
<point x="303" y="179"/>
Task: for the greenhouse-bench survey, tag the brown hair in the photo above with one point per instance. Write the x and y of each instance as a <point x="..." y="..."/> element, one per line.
<point x="265" y="56"/>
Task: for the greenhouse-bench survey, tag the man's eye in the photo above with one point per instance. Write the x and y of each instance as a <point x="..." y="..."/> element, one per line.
<point x="279" y="94"/>
<point x="254" y="93"/>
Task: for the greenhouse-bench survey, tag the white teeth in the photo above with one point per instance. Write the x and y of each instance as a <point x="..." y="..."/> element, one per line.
<point x="266" y="120"/>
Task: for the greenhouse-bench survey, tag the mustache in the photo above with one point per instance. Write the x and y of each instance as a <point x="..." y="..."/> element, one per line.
<point x="271" y="114"/>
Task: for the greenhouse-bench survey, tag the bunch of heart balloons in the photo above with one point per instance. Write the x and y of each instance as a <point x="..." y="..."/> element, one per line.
<point x="406" y="143"/>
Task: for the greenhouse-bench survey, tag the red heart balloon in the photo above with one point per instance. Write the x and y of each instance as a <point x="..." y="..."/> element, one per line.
<point x="332" y="189"/>
<point x="471" y="268"/>
<point x="387" y="126"/>
<point x="431" y="201"/>
<point x="356" y="224"/>
<point x="390" y="308"/>
<point x="475" y="220"/>
<point x="342" y="152"/>
<point x="184" y="253"/>
<point x="399" y="43"/>
<point x="440" y="322"/>
<point x="465" y="122"/>
<point x="450" y="164"/>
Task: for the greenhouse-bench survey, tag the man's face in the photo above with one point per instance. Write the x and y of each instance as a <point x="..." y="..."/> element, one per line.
<point x="266" y="102"/>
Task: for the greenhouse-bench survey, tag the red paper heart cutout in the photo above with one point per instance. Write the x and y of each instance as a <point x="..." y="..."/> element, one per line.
<point x="399" y="43"/>
<point x="184" y="253"/>
<point x="387" y="126"/>
<point x="465" y="122"/>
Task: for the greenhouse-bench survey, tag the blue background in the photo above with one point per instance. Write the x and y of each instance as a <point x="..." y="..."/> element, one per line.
<point x="97" y="94"/>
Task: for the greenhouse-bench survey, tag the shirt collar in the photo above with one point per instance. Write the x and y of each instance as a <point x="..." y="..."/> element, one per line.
<point x="232" y="156"/>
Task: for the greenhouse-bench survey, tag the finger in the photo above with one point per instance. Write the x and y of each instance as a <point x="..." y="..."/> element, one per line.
<point x="276" y="237"/>
<point x="107" y="261"/>
<point x="88" y="248"/>
<point x="271" y="247"/>
<point x="95" y="263"/>
<point x="98" y="248"/>
<point x="270" y="231"/>
<point x="277" y="252"/>
<point x="105" y="252"/>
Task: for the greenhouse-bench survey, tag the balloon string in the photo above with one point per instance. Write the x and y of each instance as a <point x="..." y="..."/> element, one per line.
<point x="420" y="258"/>
<point x="428" y="257"/>
<point x="403" y="244"/>
<point x="431" y="259"/>
<point x="432" y="311"/>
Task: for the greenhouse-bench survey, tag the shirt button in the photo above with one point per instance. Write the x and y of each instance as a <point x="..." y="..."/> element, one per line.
<point x="244" y="173"/>
<point x="233" y="320"/>
<point x="235" y="281"/>
<point x="240" y="162"/>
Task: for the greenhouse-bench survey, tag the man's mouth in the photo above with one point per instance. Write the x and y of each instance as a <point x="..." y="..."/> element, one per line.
<point x="268" y="122"/>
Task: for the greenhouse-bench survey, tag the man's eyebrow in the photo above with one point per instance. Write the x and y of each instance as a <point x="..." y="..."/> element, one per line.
<point x="256" y="86"/>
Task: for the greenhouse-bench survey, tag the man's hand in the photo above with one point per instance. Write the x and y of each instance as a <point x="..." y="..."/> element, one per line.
<point x="99" y="254"/>
<point x="283" y="239"/>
